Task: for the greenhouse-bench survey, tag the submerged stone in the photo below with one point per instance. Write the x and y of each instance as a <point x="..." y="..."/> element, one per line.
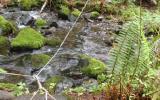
<point x="28" y="38"/>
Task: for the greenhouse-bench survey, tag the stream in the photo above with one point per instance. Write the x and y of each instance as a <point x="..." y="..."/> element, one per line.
<point x="91" y="38"/>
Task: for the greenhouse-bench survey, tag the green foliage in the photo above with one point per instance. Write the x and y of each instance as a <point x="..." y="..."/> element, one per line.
<point x="94" y="14"/>
<point x="152" y="22"/>
<point x="28" y="38"/>
<point x="64" y="11"/>
<point x="17" y="89"/>
<point x="40" y="22"/>
<point x="76" y="12"/>
<point x="53" y="41"/>
<point x="80" y="90"/>
<point x="130" y="57"/>
<point x="130" y="12"/>
<point x="94" y="68"/>
<point x="28" y="4"/>
<point x="5" y="25"/>
<point x="51" y="83"/>
<point x="39" y="60"/>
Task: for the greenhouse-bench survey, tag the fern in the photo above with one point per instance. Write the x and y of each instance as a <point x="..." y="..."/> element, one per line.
<point x="131" y="53"/>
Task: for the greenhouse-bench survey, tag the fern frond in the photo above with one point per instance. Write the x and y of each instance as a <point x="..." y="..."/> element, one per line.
<point x="128" y="52"/>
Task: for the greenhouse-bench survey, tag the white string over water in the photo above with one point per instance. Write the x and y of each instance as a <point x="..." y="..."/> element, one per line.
<point x="64" y="39"/>
<point x="40" y="87"/>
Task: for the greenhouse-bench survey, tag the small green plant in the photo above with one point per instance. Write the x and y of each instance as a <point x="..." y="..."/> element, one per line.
<point x="80" y="90"/>
<point x="94" y="14"/>
<point x="76" y="12"/>
<point x="21" y="89"/>
<point x="40" y="22"/>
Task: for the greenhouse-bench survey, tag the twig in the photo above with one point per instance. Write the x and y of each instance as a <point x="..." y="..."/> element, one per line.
<point x="44" y="5"/>
<point x="14" y="74"/>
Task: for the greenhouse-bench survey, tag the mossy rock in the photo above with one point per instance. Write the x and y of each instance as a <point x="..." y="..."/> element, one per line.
<point x="53" y="41"/>
<point x="39" y="60"/>
<point x="28" y="4"/>
<point x="4" y="45"/>
<point x="94" y="14"/>
<point x="51" y="83"/>
<point x="64" y="12"/>
<point x="40" y="22"/>
<point x="5" y="25"/>
<point x="28" y="38"/>
<point x="94" y="68"/>
<point x="76" y="12"/>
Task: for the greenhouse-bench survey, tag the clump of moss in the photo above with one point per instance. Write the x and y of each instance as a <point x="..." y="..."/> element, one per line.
<point x="28" y="38"/>
<point x="64" y="12"/>
<point x="8" y="86"/>
<point x="5" y="25"/>
<point x="76" y="12"/>
<point x="94" y="14"/>
<point x="4" y="45"/>
<point x="40" y="22"/>
<point x="51" y="83"/>
<point x="39" y="60"/>
<point x="53" y="41"/>
<point x="94" y="68"/>
<point x="28" y="4"/>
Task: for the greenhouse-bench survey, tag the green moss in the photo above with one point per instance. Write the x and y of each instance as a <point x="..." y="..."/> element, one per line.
<point x="39" y="60"/>
<point x="51" y="83"/>
<point x="94" y="14"/>
<point x="28" y="38"/>
<point x="40" y="22"/>
<point x="8" y="86"/>
<point x="76" y="12"/>
<point x="64" y="11"/>
<point x="28" y="4"/>
<point x="5" y="25"/>
<point x="53" y="41"/>
<point x="94" y="68"/>
<point x="4" y="45"/>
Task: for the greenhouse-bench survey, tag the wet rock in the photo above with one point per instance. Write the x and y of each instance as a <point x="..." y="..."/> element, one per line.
<point x="26" y="20"/>
<point x="4" y="95"/>
<point x="50" y="31"/>
<point x="54" y="24"/>
<point x="4" y="46"/>
<point x="65" y="84"/>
